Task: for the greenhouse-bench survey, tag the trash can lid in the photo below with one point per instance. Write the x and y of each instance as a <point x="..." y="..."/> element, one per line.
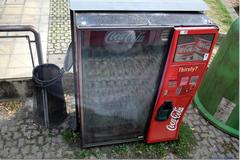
<point x="138" y="5"/>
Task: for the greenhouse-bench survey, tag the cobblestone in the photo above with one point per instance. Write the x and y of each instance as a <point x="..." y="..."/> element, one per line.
<point x="39" y="144"/>
<point x="1" y="145"/>
<point x="40" y="139"/>
<point x="20" y="142"/>
<point x="17" y="135"/>
<point x="59" y="35"/>
<point x="213" y="143"/>
<point x="14" y="151"/>
<point x="220" y="148"/>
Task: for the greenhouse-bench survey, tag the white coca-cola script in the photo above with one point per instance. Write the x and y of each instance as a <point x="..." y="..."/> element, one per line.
<point x="175" y="116"/>
<point x="186" y="49"/>
<point x="202" y="45"/>
<point x="123" y="37"/>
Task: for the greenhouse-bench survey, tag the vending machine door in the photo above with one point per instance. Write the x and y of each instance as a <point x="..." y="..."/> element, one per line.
<point x="119" y="71"/>
<point x="187" y="62"/>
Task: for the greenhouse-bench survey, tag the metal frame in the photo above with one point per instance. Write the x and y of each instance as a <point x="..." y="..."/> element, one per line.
<point x="78" y="76"/>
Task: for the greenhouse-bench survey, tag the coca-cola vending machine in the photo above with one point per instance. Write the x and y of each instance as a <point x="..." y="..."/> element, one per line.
<point x="137" y="66"/>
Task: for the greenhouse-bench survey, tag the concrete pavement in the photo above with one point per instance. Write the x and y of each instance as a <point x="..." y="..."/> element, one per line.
<point x="15" y="61"/>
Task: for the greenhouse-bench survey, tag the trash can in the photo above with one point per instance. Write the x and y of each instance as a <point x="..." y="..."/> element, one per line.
<point x="218" y="96"/>
<point x="47" y="79"/>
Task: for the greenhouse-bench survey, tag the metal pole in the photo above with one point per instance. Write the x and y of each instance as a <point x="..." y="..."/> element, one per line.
<point x="28" y="28"/>
<point x="45" y="107"/>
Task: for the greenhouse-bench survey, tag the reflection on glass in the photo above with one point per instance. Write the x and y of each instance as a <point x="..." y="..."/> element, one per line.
<point x="120" y="79"/>
<point x="193" y="47"/>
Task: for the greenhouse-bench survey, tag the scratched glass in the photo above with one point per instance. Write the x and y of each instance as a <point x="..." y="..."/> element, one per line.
<point x="120" y="79"/>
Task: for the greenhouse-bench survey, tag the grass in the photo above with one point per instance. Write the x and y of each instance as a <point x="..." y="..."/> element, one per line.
<point x="139" y="150"/>
<point x="181" y="147"/>
<point x="70" y="136"/>
<point x="185" y="143"/>
<point x="219" y="14"/>
<point x="84" y="153"/>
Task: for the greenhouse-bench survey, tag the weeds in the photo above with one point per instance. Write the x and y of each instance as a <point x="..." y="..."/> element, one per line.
<point x="150" y="150"/>
<point x="185" y="142"/>
<point x="181" y="147"/>
<point x="219" y="14"/>
<point x="84" y="153"/>
<point x="87" y="153"/>
<point x="121" y="149"/>
<point x="70" y="136"/>
<point x="139" y="150"/>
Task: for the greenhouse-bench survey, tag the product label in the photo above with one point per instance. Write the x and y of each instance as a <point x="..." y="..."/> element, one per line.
<point x="185" y="49"/>
<point x="202" y="45"/>
<point x="224" y="110"/>
<point x="193" y="80"/>
<point x="175" y="116"/>
<point x="184" y="81"/>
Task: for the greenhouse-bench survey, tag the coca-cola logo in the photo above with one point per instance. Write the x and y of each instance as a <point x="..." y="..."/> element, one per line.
<point x="175" y="116"/>
<point x="123" y="37"/>
<point x="186" y="49"/>
<point x="203" y="45"/>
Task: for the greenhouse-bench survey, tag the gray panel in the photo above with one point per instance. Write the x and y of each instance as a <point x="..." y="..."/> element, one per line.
<point x="138" y="5"/>
<point x="88" y="20"/>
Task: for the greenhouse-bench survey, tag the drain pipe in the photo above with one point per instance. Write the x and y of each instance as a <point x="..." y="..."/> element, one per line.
<point x="26" y="28"/>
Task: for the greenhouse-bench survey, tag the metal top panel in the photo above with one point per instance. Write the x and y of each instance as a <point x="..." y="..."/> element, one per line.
<point x="133" y="19"/>
<point x="138" y="5"/>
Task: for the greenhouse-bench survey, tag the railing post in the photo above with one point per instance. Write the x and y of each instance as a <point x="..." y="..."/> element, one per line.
<point x="23" y="28"/>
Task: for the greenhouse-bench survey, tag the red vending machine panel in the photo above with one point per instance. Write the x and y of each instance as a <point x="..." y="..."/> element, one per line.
<point x="189" y="55"/>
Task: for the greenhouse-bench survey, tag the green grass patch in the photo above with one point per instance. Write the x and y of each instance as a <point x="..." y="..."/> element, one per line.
<point x="84" y="153"/>
<point x="185" y="143"/>
<point x="181" y="147"/>
<point x="70" y="136"/>
<point x="219" y="14"/>
<point x="145" y="150"/>
<point x="87" y="153"/>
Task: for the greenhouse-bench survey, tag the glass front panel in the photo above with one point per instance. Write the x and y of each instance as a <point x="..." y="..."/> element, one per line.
<point x="120" y="78"/>
<point x="193" y="47"/>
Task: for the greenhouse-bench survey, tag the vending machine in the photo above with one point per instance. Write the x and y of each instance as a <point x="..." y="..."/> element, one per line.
<point x="137" y="66"/>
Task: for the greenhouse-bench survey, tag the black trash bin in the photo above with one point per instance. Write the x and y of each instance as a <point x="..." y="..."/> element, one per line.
<point x="47" y="79"/>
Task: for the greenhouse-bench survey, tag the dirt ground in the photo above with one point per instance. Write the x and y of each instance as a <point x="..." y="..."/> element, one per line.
<point x="235" y="4"/>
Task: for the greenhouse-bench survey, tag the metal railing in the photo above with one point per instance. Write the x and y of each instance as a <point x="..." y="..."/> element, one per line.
<point x="37" y="41"/>
<point x="25" y="28"/>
